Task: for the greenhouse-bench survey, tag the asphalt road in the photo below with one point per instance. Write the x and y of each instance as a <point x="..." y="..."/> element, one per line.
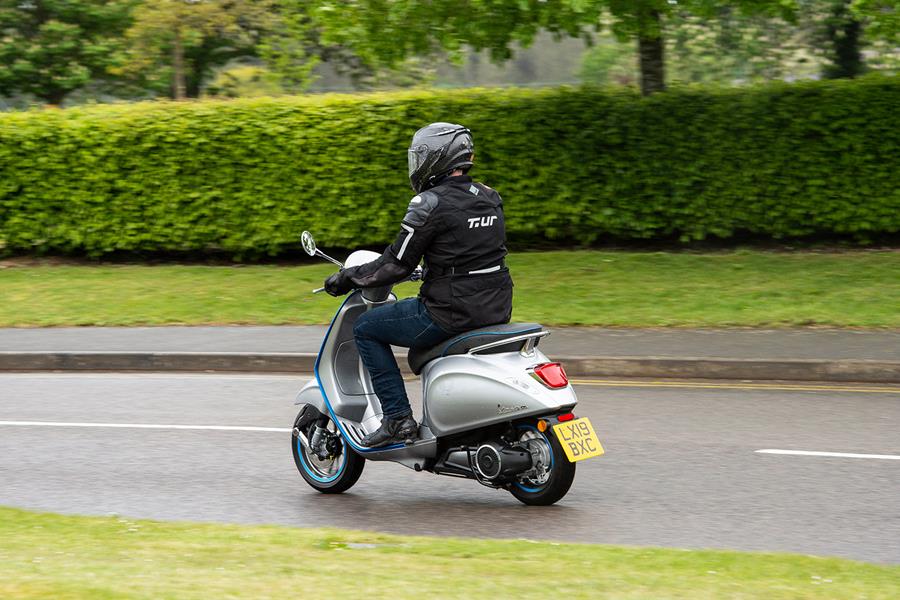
<point x="681" y="467"/>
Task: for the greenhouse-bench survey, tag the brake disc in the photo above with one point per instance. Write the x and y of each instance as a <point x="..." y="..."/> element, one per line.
<point x="541" y="458"/>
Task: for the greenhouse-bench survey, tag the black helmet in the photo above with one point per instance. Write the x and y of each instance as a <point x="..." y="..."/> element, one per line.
<point x="437" y="150"/>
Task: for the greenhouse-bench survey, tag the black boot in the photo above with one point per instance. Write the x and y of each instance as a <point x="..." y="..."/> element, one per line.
<point x="393" y="431"/>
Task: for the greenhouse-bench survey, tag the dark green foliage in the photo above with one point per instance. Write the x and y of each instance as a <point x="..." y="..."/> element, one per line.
<point x="51" y="48"/>
<point x="573" y="165"/>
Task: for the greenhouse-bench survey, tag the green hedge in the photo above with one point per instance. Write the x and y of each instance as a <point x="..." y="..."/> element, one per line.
<point x="574" y="166"/>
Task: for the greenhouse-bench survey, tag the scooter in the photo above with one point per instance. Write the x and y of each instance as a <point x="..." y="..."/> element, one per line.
<point x="495" y="408"/>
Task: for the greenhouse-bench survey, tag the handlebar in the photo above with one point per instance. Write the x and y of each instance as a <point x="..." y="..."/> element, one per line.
<point x="416" y="275"/>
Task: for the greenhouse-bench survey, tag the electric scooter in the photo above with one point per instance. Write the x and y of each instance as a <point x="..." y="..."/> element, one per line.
<point x="495" y="408"/>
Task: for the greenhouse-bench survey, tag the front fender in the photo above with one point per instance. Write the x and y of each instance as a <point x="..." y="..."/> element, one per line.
<point x="312" y="394"/>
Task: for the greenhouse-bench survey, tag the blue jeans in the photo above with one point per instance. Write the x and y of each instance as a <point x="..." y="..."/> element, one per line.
<point x="404" y="323"/>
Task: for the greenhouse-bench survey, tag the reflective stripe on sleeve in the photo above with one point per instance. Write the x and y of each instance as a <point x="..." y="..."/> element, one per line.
<point x="405" y="241"/>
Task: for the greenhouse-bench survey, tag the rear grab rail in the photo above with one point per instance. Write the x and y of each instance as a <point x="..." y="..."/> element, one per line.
<point x="529" y="339"/>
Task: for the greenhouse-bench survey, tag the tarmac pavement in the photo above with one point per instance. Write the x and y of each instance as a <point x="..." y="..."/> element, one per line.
<point x="783" y="354"/>
<point x="682" y="467"/>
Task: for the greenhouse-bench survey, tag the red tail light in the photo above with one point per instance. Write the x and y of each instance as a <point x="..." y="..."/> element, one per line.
<point x="552" y="375"/>
<point x="565" y="417"/>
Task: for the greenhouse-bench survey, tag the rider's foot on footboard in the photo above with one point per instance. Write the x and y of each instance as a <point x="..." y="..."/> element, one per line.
<point x="393" y="431"/>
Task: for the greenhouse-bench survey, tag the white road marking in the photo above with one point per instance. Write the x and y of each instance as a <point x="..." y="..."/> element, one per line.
<point x="829" y="454"/>
<point x="143" y="426"/>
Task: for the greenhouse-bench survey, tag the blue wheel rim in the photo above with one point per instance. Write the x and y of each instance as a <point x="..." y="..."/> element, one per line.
<point x="309" y="471"/>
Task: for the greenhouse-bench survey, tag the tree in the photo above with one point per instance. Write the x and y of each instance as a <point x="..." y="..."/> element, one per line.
<point x="843" y="30"/>
<point x="385" y="33"/>
<point x="183" y="40"/>
<point x="389" y="31"/>
<point x="642" y="20"/>
<point x="49" y="48"/>
<point x="848" y="20"/>
<point x="647" y="22"/>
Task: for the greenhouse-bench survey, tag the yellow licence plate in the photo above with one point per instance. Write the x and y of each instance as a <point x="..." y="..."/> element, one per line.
<point x="578" y="439"/>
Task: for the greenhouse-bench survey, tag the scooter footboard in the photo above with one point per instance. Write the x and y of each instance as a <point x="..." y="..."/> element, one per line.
<point x="468" y="391"/>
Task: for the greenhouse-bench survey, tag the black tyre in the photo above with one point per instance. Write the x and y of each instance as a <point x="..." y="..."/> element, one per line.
<point x="555" y="475"/>
<point x="333" y="475"/>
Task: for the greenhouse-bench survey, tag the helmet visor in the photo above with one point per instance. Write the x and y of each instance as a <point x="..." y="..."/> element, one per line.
<point x="415" y="157"/>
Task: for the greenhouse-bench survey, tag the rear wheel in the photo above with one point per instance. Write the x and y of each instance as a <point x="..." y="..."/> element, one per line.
<point x="552" y="475"/>
<point x="335" y="473"/>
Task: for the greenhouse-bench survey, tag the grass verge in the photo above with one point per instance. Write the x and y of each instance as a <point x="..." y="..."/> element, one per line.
<point x="746" y="288"/>
<point x="62" y="557"/>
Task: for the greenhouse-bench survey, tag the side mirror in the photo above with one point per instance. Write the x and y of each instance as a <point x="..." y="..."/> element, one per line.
<point x="309" y="244"/>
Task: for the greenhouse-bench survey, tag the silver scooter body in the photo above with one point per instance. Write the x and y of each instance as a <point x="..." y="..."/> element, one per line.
<point x="461" y="392"/>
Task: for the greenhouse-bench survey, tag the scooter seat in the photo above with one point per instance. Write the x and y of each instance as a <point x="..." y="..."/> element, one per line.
<point x="462" y="343"/>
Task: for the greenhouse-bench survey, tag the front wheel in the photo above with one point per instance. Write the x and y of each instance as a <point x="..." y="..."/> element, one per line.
<point x="552" y="475"/>
<point x="332" y="475"/>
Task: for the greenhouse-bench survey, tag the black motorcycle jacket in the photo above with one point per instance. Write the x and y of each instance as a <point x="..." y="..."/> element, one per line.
<point x="459" y="230"/>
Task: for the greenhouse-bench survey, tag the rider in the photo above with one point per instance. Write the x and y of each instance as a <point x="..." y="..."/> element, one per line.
<point x="457" y="225"/>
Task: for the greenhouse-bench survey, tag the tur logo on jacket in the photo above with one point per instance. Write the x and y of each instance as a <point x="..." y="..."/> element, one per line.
<point x="481" y="221"/>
